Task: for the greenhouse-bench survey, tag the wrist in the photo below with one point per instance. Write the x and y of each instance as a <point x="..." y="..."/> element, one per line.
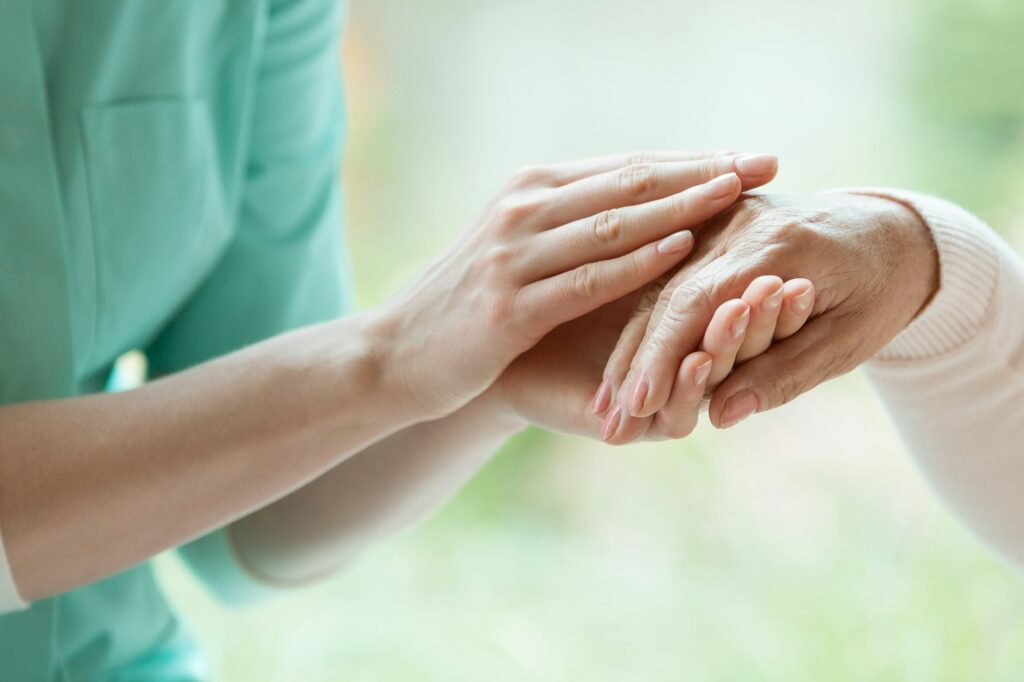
<point x="906" y="247"/>
<point x="384" y="379"/>
<point x="397" y="380"/>
<point x="917" y="253"/>
<point x="966" y="275"/>
<point x="501" y="409"/>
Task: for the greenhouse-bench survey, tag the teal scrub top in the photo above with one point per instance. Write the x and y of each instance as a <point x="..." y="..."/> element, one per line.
<point x="168" y="183"/>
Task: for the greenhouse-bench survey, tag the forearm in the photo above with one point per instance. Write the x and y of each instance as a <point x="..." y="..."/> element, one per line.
<point x="93" y="485"/>
<point x="381" y="490"/>
<point x="953" y="383"/>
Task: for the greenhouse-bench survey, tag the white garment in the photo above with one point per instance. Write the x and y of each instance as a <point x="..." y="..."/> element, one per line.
<point x="953" y="379"/>
<point x="10" y="600"/>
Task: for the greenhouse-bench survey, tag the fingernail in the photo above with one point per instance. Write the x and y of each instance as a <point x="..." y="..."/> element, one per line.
<point x="756" y="165"/>
<point x="676" y="243"/>
<point x="772" y="303"/>
<point x="738" y="408"/>
<point x="802" y="302"/>
<point x="611" y="423"/>
<point x="701" y="374"/>
<point x="636" y="403"/>
<point x="739" y="325"/>
<point x="722" y="186"/>
<point x="602" y="398"/>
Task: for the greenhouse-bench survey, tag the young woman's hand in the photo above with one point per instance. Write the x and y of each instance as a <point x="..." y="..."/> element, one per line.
<point x="557" y="243"/>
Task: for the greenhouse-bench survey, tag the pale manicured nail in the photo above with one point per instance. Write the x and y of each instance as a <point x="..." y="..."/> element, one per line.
<point x="757" y="165"/>
<point x="639" y="397"/>
<point x="602" y="397"/>
<point x="739" y="325"/>
<point x="802" y="302"/>
<point x="738" y="408"/>
<point x="611" y="423"/>
<point x="676" y="243"/>
<point x="772" y="303"/>
<point x="701" y="374"/>
<point x="722" y="186"/>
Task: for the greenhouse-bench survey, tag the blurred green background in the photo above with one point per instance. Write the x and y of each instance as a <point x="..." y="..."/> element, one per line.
<point x="801" y="545"/>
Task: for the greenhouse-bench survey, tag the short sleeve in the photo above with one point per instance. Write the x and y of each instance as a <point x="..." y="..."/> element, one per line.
<point x="286" y="266"/>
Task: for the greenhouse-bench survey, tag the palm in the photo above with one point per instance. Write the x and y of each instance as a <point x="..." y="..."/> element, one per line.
<point x="552" y="384"/>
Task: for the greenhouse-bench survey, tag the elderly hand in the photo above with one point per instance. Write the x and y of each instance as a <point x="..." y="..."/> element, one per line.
<point x="552" y="385"/>
<point x="872" y="261"/>
<point x="558" y="242"/>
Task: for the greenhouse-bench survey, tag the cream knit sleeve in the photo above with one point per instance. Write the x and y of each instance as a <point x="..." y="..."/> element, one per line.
<point x="953" y="379"/>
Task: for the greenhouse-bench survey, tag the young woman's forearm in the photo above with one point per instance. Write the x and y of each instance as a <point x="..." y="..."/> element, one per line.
<point x="379" y="491"/>
<point x="93" y="485"/>
<point x="89" y="486"/>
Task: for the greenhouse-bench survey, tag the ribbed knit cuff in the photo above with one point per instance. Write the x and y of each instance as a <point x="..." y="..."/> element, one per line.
<point x="968" y="273"/>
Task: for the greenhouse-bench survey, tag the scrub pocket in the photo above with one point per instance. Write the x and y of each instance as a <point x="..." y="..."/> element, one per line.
<point x="159" y="213"/>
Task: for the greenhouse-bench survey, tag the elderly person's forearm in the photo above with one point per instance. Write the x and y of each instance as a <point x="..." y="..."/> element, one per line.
<point x="953" y="379"/>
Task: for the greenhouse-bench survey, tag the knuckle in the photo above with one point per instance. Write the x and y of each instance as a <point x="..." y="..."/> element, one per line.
<point x="826" y="297"/>
<point x="642" y="158"/>
<point x="681" y="206"/>
<point x="786" y="389"/>
<point x="711" y="167"/>
<point x="529" y="176"/>
<point x="584" y="282"/>
<point x="607" y="226"/>
<point x="689" y="296"/>
<point x="498" y="258"/>
<point x="781" y="390"/>
<point x="794" y="231"/>
<point x="499" y="310"/>
<point x="517" y="208"/>
<point x="637" y="180"/>
<point x="662" y="343"/>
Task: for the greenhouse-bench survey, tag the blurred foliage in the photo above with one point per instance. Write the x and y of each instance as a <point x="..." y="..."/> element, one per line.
<point x="967" y="83"/>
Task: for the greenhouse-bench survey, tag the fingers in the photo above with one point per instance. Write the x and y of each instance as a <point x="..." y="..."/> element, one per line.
<point x="677" y="332"/>
<point x="617" y="231"/>
<point x="637" y="183"/>
<point x="723" y="339"/>
<point x="554" y="300"/>
<point x="732" y="327"/>
<point x="625" y="348"/>
<point x="565" y="173"/>
<point x="724" y="336"/>
<point x="619" y="427"/>
<point x="764" y="295"/>
<point x="797" y="303"/>
<point x="678" y="417"/>
<point x="786" y="370"/>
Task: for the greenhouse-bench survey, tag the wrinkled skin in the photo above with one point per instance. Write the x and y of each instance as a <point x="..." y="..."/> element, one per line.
<point x="556" y="243"/>
<point x="874" y="267"/>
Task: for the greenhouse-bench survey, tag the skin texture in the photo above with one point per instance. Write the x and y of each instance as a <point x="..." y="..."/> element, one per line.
<point x="555" y="244"/>
<point x="872" y="261"/>
<point x="569" y="362"/>
<point x="95" y="484"/>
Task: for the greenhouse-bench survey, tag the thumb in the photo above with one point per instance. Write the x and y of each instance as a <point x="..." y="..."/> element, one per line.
<point x="817" y="353"/>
